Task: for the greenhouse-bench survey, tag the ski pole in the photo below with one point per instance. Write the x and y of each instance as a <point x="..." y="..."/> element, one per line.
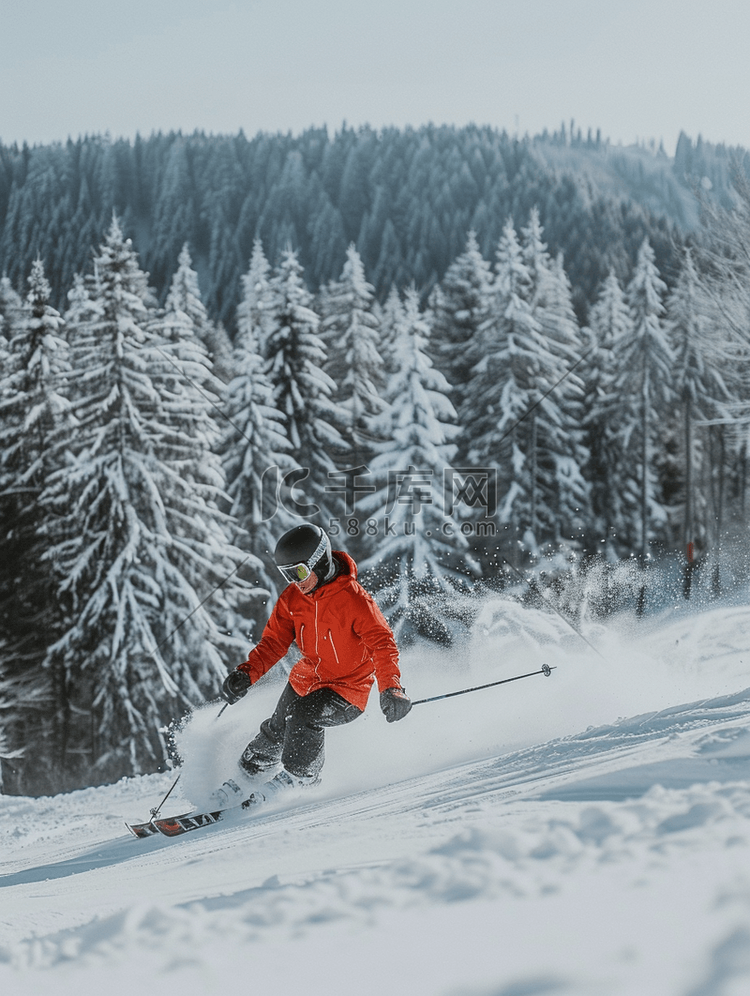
<point x="155" y="812"/>
<point x="546" y="670"/>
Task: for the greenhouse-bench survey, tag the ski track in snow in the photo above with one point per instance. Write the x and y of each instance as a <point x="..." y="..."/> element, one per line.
<point x="587" y="833"/>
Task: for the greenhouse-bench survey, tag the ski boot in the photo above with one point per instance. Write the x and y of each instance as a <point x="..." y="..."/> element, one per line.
<point x="228" y="794"/>
<point x="281" y="782"/>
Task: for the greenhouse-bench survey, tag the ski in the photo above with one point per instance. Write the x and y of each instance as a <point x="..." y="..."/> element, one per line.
<point x="175" y="826"/>
<point x="141" y="830"/>
<point x="149" y="829"/>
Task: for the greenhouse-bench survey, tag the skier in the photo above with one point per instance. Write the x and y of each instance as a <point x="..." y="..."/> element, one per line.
<point x="346" y="644"/>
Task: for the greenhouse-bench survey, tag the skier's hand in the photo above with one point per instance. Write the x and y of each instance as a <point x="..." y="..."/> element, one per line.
<point x="395" y="704"/>
<point x="235" y="686"/>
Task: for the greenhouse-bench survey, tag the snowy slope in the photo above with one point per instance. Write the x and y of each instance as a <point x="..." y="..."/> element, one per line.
<point x="583" y="833"/>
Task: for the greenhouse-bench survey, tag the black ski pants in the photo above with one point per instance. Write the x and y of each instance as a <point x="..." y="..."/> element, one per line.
<point x="295" y="735"/>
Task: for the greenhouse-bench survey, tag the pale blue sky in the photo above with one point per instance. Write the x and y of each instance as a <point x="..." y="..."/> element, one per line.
<point x="637" y="69"/>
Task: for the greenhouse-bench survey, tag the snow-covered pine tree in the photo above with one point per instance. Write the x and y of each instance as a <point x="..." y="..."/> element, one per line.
<point x="189" y="386"/>
<point x="254" y="306"/>
<point x="643" y="391"/>
<point x="190" y="410"/>
<point x="561" y="482"/>
<point x="32" y="406"/>
<point x="459" y="305"/>
<point x="10" y="308"/>
<point x="536" y="258"/>
<point x="509" y="315"/>
<point x="145" y="572"/>
<point x="609" y="323"/>
<point x="79" y="302"/>
<point x="700" y="392"/>
<point x="185" y="296"/>
<point x="723" y="265"/>
<point x="256" y="452"/>
<point x="302" y="391"/>
<point x="513" y="426"/>
<point x="500" y="391"/>
<point x="566" y="335"/>
<point x="422" y="551"/>
<point x="390" y="316"/>
<point x="351" y="330"/>
<point x="4" y="350"/>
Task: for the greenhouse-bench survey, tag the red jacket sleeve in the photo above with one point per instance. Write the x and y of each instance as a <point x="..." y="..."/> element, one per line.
<point x="276" y="639"/>
<point x="371" y="626"/>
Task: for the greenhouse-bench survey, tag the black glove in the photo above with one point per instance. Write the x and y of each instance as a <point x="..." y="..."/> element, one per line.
<point x="395" y="704"/>
<point x="235" y="686"/>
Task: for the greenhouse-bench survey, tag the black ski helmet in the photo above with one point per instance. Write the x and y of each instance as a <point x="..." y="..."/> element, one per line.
<point x="304" y="549"/>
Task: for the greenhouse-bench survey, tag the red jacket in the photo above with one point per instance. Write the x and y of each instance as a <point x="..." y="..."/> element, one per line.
<point x="344" y="638"/>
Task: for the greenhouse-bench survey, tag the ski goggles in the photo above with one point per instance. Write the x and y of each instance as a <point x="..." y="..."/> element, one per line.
<point x="301" y="572"/>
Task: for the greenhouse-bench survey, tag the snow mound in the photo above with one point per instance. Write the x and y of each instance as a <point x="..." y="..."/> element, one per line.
<point x="583" y="833"/>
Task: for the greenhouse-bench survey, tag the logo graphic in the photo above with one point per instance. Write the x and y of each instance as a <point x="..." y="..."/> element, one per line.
<point x="414" y="488"/>
<point x="470" y="486"/>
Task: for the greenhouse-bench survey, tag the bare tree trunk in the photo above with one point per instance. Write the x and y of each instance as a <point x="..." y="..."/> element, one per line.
<point x="688" y="527"/>
<point x="743" y="480"/>
<point x="718" y="478"/>
<point x="644" y="474"/>
<point x="533" y="477"/>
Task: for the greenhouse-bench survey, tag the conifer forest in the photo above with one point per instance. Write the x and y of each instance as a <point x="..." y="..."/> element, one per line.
<point x="478" y="362"/>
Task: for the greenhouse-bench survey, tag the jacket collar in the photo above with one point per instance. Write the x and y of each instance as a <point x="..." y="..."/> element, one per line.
<point x="348" y="565"/>
<point x="346" y="574"/>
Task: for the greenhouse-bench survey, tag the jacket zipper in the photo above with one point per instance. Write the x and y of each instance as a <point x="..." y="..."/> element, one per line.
<point x="317" y="655"/>
<point x="333" y="646"/>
